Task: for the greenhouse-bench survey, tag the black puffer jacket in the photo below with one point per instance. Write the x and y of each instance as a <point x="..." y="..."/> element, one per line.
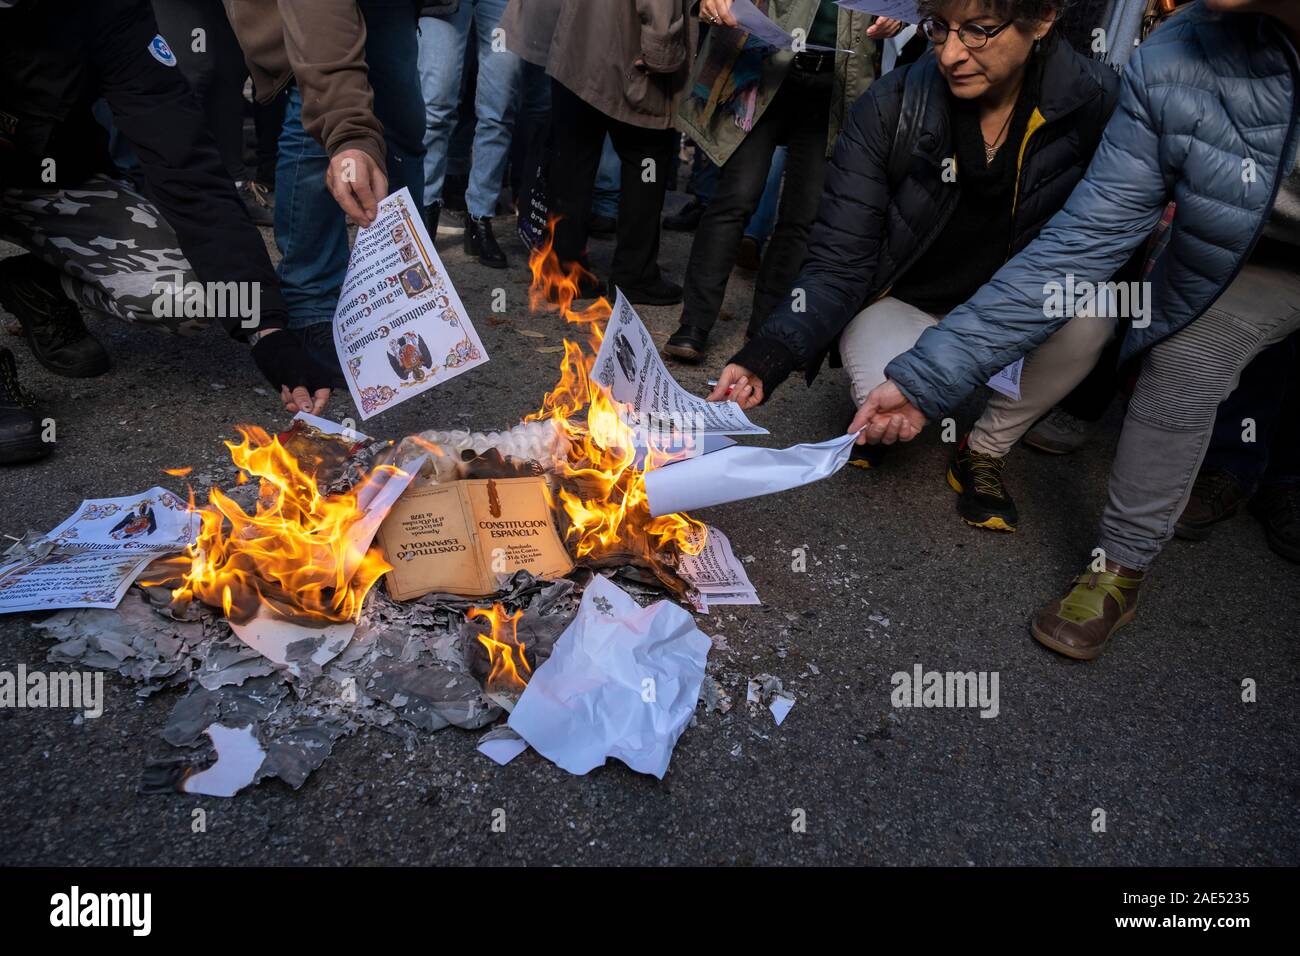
<point x="886" y="200"/>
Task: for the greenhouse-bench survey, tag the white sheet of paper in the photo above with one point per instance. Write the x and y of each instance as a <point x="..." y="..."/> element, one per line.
<point x="102" y="548"/>
<point x="84" y="579"/>
<point x="740" y="472"/>
<point x="502" y="745"/>
<point x="622" y="682"/>
<point x="1007" y="381"/>
<point x="629" y="368"/>
<point x="904" y="10"/>
<point x="400" y="328"/>
<point x="780" y="707"/>
<point x="715" y="570"/>
<point x="239" y="757"/>
<point x="327" y="427"/>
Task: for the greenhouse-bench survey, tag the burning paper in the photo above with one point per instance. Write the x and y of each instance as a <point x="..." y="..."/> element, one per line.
<point x="733" y="474"/>
<point x="97" y="552"/>
<point x="400" y="328"/>
<point x="716" y="573"/>
<point x="629" y="368"/>
<point x="622" y="682"/>
<point x="239" y="758"/>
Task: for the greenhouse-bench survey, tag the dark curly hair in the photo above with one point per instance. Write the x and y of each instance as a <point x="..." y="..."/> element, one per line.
<point x="1003" y="9"/>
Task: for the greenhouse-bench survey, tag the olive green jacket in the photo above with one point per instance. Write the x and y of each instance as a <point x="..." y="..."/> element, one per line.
<point x="715" y="131"/>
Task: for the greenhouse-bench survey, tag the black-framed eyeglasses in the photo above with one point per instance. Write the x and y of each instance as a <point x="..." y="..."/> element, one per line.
<point x="972" y="35"/>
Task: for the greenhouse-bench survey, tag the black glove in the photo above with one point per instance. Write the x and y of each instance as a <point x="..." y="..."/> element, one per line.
<point x="285" y="361"/>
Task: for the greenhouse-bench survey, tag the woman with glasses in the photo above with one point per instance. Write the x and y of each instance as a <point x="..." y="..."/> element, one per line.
<point x="945" y="170"/>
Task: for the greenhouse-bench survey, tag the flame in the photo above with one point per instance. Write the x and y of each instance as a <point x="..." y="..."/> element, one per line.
<point x="502" y="644"/>
<point x="605" y="499"/>
<point x="294" y="553"/>
<point x="178" y="472"/>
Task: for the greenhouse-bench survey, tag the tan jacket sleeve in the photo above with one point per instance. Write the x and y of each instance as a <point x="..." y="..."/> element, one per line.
<point x="326" y="44"/>
<point x="664" y="34"/>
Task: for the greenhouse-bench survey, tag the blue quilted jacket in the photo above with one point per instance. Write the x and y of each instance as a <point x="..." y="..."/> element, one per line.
<point x="1207" y="118"/>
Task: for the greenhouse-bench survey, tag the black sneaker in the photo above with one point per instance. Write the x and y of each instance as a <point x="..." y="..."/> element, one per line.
<point x="482" y="244"/>
<point x="1216" y="496"/>
<point x="52" y="324"/>
<point x="257" y="200"/>
<point x="867" y="457"/>
<point x="686" y="218"/>
<point x="20" y="423"/>
<point x="977" y="479"/>
<point x="1277" y="506"/>
<point x="658" y="291"/>
<point x="687" y="343"/>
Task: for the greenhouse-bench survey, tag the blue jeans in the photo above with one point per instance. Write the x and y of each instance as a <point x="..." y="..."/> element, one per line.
<point x="763" y="221"/>
<point x="604" y="195"/>
<point x="442" y="59"/>
<point x="310" y="228"/>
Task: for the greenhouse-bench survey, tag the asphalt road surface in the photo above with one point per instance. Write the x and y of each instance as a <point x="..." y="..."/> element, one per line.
<point x="1154" y="735"/>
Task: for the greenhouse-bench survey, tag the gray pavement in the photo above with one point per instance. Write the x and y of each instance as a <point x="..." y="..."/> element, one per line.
<point x="1154" y="733"/>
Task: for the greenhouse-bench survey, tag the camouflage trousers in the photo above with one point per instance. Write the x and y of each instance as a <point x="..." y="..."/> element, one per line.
<point x="115" y="251"/>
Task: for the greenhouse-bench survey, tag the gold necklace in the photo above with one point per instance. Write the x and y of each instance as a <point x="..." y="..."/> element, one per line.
<point x="991" y="151"/>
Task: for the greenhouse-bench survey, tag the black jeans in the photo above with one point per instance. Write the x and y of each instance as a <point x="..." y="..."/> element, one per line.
<point x="798" y="117"/>
<point x="1269" y="395"/>
<point x="578" y="136"/>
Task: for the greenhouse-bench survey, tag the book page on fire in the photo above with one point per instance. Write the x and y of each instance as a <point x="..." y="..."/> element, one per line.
<point x="400" y="328"/>
<point x="628" y="366"/>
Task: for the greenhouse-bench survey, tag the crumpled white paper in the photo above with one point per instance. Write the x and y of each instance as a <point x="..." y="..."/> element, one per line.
<point x="742" y="471"/>
<point x="622" y="682"/>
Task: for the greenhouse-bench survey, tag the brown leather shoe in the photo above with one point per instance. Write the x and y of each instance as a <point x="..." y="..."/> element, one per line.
<point x="1216" y="496"/>
<point x="1100" y="603"/>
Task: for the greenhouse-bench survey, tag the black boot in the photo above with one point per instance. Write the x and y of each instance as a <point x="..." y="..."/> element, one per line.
<point x="52" y="325"/>
<point x="687" y="343"/>
<point x="658" y="291"/>
<point x="20" y="423"/>
<point x="482" y="244"/>
<point x="432" y="213"/>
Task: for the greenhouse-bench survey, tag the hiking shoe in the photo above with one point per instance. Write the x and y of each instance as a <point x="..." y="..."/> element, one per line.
<point x="52" y="323"/>
<point x="257" y="200"/>
<point x="977" y="479"/>
<point x="867" y="456"/>
<point x="687" y="343"/>
<point x="482" y="244"/>
<point x="1059" y="433"/>
<point x="1099" y="604"/>
<point x="686" y="218"/>
<point x="20" y="423"/>
<point x="1277" y="506"/>
<point x="1216" y="496"/>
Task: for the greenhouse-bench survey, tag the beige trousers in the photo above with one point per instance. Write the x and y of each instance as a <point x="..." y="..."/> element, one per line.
<point x="888" y="328"/>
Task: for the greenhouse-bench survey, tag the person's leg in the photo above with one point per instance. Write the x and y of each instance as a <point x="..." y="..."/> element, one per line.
<point x="499" y="73"/>
<point x="532" y="118"/>
<point x="577" y="132"/>
<point x="718" y="235"/>
<point x="441" y="58"/>
<point x="760" y="225"/>
<point x="875" y="337"/>
<point x="647" y="156"/>
<point x="608" y="176"/>
<point x="1277" y="502"/>
<point x="809" y="96"/>
<point x="1050" y="372"/>
<point x="1170" y="419"/>
<point x="268" y="119"/>
<point x="112" y="249"/>
<point x="392" y="62"/>
<point x="310" y="231"/>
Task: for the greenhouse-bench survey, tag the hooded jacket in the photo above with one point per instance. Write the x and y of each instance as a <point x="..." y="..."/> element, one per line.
<point x="1208" y="119"/>
<point x="890" y="191"/>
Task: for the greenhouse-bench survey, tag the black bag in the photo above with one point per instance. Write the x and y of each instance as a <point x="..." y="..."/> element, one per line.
<point x="535" y="205"/>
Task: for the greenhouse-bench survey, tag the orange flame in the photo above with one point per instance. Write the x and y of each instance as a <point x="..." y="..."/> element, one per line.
<point x="178" y="472"/>
<point x="503" y="644"/>
<point x="294" y="553"/>
<point x="610" y="499"/>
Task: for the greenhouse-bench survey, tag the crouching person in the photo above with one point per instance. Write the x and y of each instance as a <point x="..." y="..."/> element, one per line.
<point x="1226" y="287"/>
<point x="93" y="241"/>
<point x="945" y="169"/>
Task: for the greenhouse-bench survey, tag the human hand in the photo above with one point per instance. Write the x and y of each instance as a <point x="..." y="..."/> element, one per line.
<point x="357" y="183"/>
<point x="739" y="385"/>
<point x="886" y="417"/>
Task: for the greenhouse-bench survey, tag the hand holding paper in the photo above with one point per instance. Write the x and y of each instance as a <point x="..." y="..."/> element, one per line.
<point x="886" y="417"/>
